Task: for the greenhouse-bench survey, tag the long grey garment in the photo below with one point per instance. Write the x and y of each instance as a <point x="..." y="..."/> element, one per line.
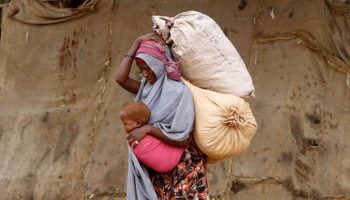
<point x="172" y="110"/>
<point x="170" y="102"/>
<point x="139" y="185"/>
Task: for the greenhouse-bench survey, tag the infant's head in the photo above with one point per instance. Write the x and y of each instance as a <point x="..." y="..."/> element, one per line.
<point x="135" y="115"/>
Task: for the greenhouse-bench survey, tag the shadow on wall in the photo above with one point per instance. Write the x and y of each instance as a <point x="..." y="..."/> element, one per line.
<point x="66" y="3"/>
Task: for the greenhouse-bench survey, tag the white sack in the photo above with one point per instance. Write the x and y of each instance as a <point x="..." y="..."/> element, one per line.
<point x="205" y="55"/>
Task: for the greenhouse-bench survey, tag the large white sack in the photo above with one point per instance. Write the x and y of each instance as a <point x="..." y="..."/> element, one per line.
<point x="205" y="55"/>
<point x="224" y="123"/>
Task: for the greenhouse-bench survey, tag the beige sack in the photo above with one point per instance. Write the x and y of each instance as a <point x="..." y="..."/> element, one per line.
<point x="205" y="55"/>
<point x="216" y="132"/>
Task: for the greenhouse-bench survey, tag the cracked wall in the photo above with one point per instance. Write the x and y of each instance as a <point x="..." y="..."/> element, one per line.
<point x="60" y="133"/>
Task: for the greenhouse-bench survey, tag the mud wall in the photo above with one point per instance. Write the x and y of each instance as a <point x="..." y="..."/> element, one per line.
<point x="61" y="138"/>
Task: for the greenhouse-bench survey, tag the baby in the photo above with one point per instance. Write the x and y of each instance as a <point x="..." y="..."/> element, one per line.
<point x="152" y="152"/>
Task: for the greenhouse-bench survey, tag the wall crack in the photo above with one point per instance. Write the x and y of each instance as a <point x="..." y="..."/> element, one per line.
<point x="103" y="81"/>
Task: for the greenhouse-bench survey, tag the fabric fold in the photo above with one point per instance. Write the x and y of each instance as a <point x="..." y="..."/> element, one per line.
<point x="139" y="184"/>
<point x="42" y="12"/>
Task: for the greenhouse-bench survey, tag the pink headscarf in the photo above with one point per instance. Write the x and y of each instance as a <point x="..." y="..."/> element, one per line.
<point x="154" y="49"/>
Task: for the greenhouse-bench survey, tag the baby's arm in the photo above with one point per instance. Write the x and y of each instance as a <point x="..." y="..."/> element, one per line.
<point x="139" y="133"/>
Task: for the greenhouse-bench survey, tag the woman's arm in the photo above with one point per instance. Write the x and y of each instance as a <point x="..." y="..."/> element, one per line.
<point x="139" y="133"/>
<point x="122" y="76"/>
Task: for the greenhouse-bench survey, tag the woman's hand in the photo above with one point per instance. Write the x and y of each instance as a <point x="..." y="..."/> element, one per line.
<point x="138" y="134"/>
<point x="151" y="36"/>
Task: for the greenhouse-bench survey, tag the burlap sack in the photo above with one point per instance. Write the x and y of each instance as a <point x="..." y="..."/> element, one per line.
<point x="224" y="124"/>
<point x="205" y="55"/>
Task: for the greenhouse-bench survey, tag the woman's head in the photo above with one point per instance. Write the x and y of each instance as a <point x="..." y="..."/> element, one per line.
<point x="152" y="57"/>
<point x="135" y="115"/>
<point x="147" y="72"/>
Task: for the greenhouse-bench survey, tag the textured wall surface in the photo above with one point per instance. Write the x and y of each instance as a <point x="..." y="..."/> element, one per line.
<point x="60" y="133"/>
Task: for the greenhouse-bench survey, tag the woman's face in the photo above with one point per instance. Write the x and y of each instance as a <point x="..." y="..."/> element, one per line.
<point x="147" y="73"/>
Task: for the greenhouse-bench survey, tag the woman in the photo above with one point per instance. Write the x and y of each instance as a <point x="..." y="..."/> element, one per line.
<point x="171" y="121"/>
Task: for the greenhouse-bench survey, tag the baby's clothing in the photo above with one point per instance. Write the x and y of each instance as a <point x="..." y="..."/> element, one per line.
<point x="158" y="155"/>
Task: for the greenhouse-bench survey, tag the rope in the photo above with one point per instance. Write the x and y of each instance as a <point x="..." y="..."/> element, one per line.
<point x="234" y="118"/>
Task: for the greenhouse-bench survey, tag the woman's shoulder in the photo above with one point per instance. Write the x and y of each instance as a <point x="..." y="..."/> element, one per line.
<point x="176" y="86"/>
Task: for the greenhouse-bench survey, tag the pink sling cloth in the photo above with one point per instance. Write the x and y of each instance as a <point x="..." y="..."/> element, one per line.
<point x="158" y="155"/>
<point x="154" y="49"/>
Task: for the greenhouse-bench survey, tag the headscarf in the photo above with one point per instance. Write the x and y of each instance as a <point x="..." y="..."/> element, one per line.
<point x="154" y="49"/>
<point x="170" y="101"/>
<point x="139" y="60"/>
